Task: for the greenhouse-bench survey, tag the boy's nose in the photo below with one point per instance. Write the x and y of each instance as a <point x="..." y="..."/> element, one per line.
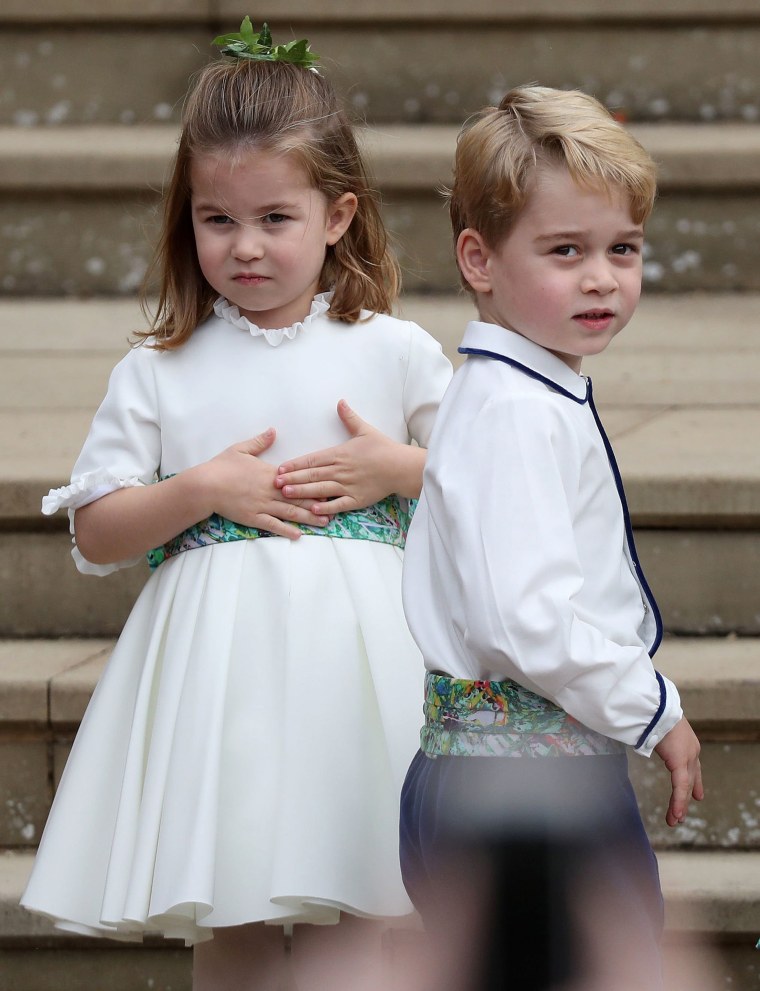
<point x="599" y="277"/>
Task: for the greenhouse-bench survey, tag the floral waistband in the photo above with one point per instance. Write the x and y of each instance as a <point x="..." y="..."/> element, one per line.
<point x="501" y="719"/>
<point x="385" y="522"/>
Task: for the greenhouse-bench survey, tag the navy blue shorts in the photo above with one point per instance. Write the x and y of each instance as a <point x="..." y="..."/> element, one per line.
<point x="538" y="831"/>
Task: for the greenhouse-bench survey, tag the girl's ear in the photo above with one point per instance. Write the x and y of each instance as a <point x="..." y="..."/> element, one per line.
<point x="340" y="213"/>
<point x="472" y="257"/>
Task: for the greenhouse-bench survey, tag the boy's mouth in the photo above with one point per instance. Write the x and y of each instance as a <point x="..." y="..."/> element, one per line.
<point x="595" y="319"/>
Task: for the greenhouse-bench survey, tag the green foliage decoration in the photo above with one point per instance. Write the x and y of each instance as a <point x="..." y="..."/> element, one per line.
<point x="247" y="44"/>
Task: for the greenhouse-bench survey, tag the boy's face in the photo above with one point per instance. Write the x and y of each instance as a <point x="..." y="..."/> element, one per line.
<point x="568" y="275"/>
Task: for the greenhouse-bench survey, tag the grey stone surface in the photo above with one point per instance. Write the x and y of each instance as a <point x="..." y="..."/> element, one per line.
<point x="70" y="690"/>
<point x="67" y="245"/>
<point x="713" y="892"/>
<point x="393" y="69"/>
<point x="693" y="467"/>
<point x="41" y="968"/>
<point x="718" y="679"/>
<point x="380" y="10"/>
<point x="18" y="11"/>
<point x="25" y="791"/>
<point x="27" y="669"/>
<point x="705" y="582"/>
<point x="42" y="594"/>
<point x="729" y="816"/>
<point x="52" y="76"/>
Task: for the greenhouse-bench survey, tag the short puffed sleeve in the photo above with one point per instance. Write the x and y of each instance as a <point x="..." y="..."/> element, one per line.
<point x="122" y="449"/>
<point x="427" y="377"/>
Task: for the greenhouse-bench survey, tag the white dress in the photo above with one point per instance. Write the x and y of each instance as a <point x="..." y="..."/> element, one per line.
<point x="243" y="754"/>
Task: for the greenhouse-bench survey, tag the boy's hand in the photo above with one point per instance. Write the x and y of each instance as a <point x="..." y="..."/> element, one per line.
<point x="679" y="750"/>
<point x="366" y="468"/>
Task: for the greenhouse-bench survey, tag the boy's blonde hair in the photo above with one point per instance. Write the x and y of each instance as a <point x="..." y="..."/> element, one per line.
<point x="500" y="148"/>
<point x="240" y="105"/>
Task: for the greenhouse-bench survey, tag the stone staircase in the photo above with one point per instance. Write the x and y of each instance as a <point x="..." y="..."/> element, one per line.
<point x="89" y="102"/>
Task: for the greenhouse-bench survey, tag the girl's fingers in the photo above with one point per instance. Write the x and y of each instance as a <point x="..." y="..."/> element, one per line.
<point x="278" y="527"/>
<point x="343" y="504"/>
<point x="313" y="490"/>
<point x="308" y="465"/>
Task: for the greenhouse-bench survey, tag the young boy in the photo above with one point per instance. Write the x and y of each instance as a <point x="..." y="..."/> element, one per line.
<point x="522" y="586"/>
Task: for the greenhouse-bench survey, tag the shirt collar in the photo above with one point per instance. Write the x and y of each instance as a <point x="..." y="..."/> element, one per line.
<point x="529" y="357"/>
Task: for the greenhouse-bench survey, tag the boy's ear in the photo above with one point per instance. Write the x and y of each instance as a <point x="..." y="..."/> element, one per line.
<point x="472" y="257"/>
<point x="340" y="213"/>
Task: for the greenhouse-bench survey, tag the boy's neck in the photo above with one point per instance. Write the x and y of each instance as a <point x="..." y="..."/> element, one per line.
<point x="572" y="361"/>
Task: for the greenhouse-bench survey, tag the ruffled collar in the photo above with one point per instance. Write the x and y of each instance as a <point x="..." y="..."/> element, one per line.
<point x="231" y="314"/>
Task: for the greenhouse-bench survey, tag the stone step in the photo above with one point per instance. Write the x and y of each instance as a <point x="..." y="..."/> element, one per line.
<point x="45" y="686"/>
<point x="78" y="205"/>
<point x="431" y="61"/>
<point x="679" y="392"/>
<point x="712" y="921"/>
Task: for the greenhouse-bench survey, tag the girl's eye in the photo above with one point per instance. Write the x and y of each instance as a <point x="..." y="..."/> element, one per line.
<point x="219" y="219"/>
<point x="275" y="218"/>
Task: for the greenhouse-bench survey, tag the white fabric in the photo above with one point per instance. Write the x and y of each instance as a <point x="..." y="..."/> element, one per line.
<point x="243" y="754"/>
<point x="87" y="488"/>
<point x="227" y="311"/>
<point x="517" y="563"/>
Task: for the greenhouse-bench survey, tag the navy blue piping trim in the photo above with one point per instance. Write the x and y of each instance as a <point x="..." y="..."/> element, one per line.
<point x="660" y="709"/>
<point x="529" y="372"/>
<point x="628" y="525"/>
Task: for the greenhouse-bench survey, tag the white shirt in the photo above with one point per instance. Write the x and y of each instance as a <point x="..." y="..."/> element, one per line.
<point x="520" y="561"/>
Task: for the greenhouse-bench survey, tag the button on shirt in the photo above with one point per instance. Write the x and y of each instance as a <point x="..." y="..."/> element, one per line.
<point x="520" y="560"/>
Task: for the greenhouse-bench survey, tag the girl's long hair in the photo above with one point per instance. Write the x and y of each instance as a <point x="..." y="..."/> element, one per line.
<point x="237" y="106"/>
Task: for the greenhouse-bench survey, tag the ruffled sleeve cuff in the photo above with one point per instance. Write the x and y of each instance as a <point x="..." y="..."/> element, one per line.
<point x="81" y="492"/>
<point x="84" y="490"/>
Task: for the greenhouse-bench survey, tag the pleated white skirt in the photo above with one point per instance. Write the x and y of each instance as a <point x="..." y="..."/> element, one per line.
<point x="242" y="757"/>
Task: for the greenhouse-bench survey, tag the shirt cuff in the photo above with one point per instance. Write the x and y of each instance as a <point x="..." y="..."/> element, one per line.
<point x="668" y="714"/>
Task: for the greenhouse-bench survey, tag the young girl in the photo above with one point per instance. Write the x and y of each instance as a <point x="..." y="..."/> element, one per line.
<point x="243" y="754"/>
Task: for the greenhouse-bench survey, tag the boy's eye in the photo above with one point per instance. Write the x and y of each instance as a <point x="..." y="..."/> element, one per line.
<point x="625" y="249"/>
<point x="566" y="250"/>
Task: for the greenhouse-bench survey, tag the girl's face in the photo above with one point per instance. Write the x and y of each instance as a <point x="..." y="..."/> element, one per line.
<point x="262" y="231"/>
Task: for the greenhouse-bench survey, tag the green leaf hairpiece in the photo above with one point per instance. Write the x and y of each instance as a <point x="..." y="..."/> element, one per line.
<point x="259" y="48"/>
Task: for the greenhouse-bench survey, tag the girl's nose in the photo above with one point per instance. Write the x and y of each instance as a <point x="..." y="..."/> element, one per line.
<point x="247" y="243"/>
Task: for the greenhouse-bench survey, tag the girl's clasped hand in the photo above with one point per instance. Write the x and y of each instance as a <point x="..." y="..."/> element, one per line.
<point x="354" y="474"/>
<point x="314" y="487"/>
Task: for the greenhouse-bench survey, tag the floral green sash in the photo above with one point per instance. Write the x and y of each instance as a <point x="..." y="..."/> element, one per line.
<point x="385" y="522"/>
<point x="501" y="719"/>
